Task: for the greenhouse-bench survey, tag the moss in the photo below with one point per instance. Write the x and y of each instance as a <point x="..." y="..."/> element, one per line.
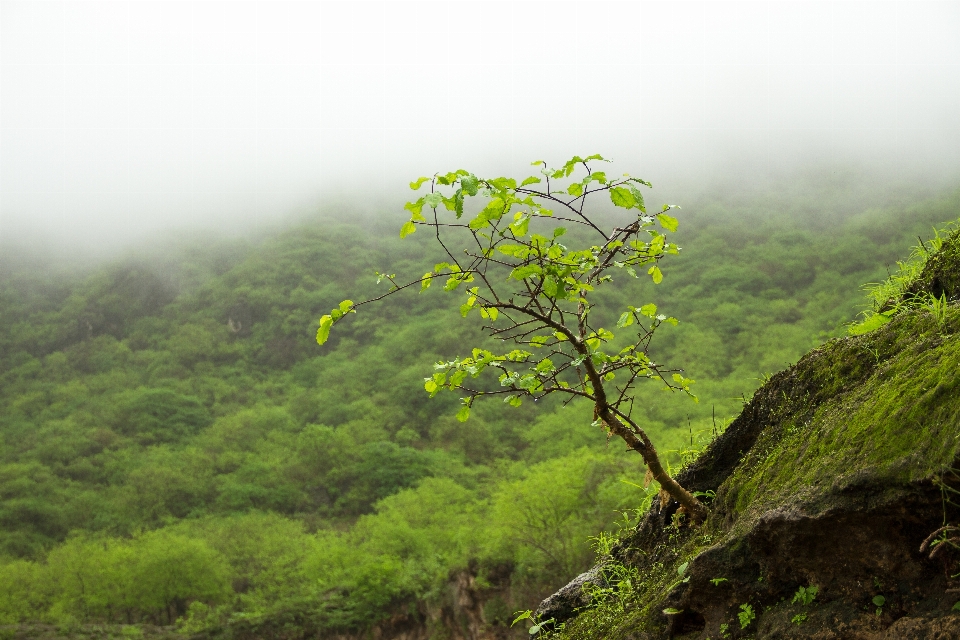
<point x="891" y="427"/>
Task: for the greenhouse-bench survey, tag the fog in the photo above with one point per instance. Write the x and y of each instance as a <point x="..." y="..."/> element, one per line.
<point x="121" y="121"/>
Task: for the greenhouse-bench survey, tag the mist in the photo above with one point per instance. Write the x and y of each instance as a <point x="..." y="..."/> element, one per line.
<point x="121" y="122"/>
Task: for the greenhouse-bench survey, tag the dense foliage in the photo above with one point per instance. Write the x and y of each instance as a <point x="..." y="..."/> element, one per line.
<point x="176" y="446"/>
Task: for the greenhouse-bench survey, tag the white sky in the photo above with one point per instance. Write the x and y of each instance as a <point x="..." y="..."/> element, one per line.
<point x="121" y="118"/>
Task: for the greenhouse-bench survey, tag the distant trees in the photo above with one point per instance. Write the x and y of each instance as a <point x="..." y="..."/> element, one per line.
<point x="267" y="565"/>
<point x="150" y="578"/>
<point x="532" y="290"/>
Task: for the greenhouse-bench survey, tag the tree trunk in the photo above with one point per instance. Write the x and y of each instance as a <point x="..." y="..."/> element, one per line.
<point x="642" y="445"/>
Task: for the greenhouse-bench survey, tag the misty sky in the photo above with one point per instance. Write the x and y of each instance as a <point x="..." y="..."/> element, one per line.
<point x="121" y="118"/>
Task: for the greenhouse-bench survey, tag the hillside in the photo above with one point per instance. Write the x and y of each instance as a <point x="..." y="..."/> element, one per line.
<point x="177" y="451"/>
<point x="833" y="498"/>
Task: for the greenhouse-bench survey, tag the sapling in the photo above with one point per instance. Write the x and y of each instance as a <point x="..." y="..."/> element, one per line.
<point x="534" y="287"/>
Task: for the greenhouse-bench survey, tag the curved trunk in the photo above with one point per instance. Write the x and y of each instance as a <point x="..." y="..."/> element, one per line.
<point x="637" y="440"/>
<point x="642" y="445"/>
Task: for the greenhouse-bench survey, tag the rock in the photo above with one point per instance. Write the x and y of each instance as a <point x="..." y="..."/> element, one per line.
<point x="563" y="604"/>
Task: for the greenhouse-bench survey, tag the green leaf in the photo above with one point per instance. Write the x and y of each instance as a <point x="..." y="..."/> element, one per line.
<point x="416" y="184"/>
<point x="408" y="228"/>
<point x="426" y="281"/>
<point x="626" y="319"/>
<point x="479" y="222"/>
<point x="622" y="197"/>
<point x="520" y="225"/>
<point x="526" y="272"/>
<point x="955" y="607"/>
<point x="638" y="197"/>
<point x="430" y="385"/>
<point x="470" y="184"/>
<point x="655" y="273"/>
<point x="682" y="569"/>
<point x="458" y="202"/>
<point x="523" y="616"/>
<point x="415" y="209"/>
<point x="649" y="310"/>
<point x="530" y="180"/>
<point x="464" y="414"/>
<point x="515" y="250"/>
<point x="559" y="231"/>
<point x="668" y="222"/>
<point x="670" y="611"/>
<point x="326" y="322"/>
<point x="553" y="289"/>
<point x="575" y="189"/>
<point x="879" y="601"/>
<point x="433" y="200"/>
<point x="346" y="306"/>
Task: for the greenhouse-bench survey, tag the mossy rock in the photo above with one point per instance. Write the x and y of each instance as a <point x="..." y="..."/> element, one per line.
<point x="833" y="474"/>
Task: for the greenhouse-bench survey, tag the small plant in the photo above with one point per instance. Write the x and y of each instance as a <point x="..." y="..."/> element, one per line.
<point x="681" y="570"/>
<point x="805" y="595"/>
<point x="879" y="601"/>
<point x="716" y="581"/>
<point x="938" y="309"/>
<point x="724" y="630"/>
<point x="538" y="626"/>
<point x="799" y="619"/>
<point x="746" y="615"/>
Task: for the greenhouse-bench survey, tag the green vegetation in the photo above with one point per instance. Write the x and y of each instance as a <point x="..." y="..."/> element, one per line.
<point x="175" y="446"/>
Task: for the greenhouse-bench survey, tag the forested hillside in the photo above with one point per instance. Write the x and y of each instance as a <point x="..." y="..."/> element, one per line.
<point x="176" y="445"/>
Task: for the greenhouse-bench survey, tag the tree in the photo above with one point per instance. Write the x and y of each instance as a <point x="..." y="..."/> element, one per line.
<point x="534" y="291"/>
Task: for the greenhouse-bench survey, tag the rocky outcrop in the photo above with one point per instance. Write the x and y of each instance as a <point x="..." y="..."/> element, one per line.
<point x="832" y="476"/>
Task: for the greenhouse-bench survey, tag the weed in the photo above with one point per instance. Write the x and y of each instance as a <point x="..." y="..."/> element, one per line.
<point x="539" y="626"/>
<point x="724" y="630"/>
<point x="805" y="595"/>
<point x="879" y="601"/>
<point x="746" y="615"/>
<point x="716" y="581"/>
<point x="938" y="309"/>
<point x="682" y="569"/>
<point x="799" y="619"/>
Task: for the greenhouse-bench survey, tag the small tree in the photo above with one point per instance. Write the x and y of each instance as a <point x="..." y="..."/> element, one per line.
<point x="534" y="291"/>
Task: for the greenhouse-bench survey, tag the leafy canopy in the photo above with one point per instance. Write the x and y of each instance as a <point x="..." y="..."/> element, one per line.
<point x="534" y="287"/>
